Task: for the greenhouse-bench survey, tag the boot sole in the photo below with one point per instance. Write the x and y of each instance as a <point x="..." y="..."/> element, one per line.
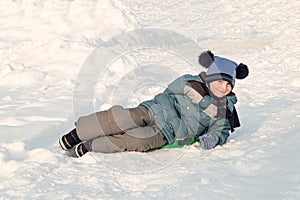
<point x="76" y="151"/>
<point x="62" y="145"/>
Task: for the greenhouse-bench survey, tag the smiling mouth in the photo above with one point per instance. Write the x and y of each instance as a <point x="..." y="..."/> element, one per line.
<point x="221" y="91"/>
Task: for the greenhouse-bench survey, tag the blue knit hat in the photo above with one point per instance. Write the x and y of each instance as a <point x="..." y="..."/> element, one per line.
<point x="222" y="68"/>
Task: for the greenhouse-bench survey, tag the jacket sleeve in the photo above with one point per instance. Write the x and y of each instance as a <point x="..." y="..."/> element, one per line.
<point x="177" y="86"/>
<point x="219" y="129"/>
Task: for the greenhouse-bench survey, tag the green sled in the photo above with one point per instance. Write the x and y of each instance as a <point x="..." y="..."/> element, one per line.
<point x="180" y="143"/>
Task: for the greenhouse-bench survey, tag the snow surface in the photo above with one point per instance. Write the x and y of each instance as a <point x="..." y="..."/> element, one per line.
<point x="43" y="48"/>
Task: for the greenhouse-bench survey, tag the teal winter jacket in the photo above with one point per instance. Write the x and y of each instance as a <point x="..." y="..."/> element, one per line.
<point x="186" y="108"/>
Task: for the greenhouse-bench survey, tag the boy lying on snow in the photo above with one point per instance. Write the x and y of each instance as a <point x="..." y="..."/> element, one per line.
<point x="192" y="108"/>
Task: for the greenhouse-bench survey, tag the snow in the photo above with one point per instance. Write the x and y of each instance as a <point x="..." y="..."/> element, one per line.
<point x="46" y="46"/>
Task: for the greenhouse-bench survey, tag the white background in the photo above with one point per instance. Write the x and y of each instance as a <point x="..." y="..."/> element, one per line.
<point x="43" y="45"/>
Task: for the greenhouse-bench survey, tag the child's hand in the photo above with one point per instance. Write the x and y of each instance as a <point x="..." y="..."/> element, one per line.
<point x="208" y="141"/>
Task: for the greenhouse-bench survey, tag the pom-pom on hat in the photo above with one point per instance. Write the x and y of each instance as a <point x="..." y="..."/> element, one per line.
<point x="220" y="68"/>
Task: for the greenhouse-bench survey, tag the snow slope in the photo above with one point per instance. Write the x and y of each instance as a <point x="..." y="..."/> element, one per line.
<point x="43" y="49"/>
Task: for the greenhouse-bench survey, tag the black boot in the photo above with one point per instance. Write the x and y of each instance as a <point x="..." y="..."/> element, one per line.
<point x="81" y="149"/>
<point x="69" y="140"/>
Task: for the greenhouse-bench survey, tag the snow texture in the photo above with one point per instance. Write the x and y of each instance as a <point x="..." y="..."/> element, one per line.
<point x="43" y="48"/>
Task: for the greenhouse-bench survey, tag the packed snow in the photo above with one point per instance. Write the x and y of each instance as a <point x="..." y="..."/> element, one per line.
<point x="46" y="46"/>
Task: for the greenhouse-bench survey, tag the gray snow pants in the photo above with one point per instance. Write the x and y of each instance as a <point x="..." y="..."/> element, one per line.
<point x="118" y="129"/>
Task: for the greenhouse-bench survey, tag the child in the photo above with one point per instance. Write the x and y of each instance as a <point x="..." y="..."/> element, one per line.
<point x="199" y="107"/>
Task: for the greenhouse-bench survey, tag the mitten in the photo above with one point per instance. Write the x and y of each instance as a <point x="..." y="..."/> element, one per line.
<point x="208" y="141"/>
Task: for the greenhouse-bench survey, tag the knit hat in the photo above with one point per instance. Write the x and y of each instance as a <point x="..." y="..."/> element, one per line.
<point x="222" y="68"/>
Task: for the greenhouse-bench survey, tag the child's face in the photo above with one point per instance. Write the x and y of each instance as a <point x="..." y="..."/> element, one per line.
<point x="220" y="88"/>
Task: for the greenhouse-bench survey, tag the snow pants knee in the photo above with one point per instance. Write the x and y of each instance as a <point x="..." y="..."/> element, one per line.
<point x="119" y="129"/>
